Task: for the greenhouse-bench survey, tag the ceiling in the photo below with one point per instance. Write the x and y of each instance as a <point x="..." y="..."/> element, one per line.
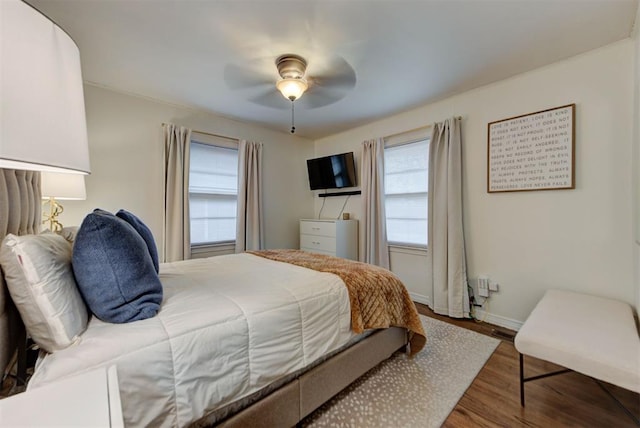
<point x="219" y="55"/>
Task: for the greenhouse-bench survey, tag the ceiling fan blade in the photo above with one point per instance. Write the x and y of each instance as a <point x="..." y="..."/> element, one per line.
<point x="336" y="73"/>
<point x="271" y="98"/>
<point x="330" y="79"/>
<point x="336" y="82"/>
<point x="318" y="97"/>
<point x="243" y="77"/>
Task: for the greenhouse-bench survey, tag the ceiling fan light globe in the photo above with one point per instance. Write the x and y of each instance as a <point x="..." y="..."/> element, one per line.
<point x="292" y="89"/>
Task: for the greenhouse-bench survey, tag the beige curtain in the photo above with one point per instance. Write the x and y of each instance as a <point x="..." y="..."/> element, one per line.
<point x="177" y="238"/>
<point x="446" y="255"/>
<point x="374" y="240"/>
<point x="249" y="220"/>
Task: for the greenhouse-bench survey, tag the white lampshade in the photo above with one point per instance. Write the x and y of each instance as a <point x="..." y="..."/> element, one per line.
<point x="292" y="89"/>
<point x="63" y="186"/>
<point x="42" y="117"/>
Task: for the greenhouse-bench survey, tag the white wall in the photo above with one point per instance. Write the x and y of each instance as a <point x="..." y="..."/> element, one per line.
<point x="126" y="152"/>
<point x="531" y="241"/>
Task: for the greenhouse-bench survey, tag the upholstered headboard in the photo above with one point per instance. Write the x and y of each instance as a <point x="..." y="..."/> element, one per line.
<point x="19" y="214"/>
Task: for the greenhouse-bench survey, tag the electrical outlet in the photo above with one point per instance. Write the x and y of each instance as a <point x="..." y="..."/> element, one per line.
<point x="493" y="286"/>
<point x="483" y="287"/>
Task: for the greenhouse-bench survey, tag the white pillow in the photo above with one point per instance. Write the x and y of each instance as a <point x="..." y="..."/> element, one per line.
<point x="38" y="272"/>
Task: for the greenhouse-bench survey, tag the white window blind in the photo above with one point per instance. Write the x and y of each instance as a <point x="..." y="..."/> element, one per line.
<point x="406" y="185"/>
<point x="213" y="193"/>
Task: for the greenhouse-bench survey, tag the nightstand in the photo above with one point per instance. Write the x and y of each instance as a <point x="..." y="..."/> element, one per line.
<point x="91" y="399"/>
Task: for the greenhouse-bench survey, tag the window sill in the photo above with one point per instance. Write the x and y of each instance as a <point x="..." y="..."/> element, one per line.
<point x="407" y="249"/>
<point x="213" y="249"/>
<point x="213" y="244"/>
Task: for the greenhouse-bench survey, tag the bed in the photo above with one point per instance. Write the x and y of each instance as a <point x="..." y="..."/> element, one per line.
<point x="254" y="339"/>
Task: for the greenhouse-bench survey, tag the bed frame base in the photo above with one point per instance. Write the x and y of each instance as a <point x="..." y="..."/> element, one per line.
<point x="288" y="405"/>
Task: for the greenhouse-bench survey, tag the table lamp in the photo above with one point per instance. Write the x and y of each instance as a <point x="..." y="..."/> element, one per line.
<point x="42" y="116"/>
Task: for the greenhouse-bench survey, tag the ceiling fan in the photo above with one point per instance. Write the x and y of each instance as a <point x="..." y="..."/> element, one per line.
<point x="323" y="81"/>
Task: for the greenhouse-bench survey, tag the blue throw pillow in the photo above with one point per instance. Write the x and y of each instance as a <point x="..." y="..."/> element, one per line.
<point x="145" y="232"/>
<point x="114" y="270"/>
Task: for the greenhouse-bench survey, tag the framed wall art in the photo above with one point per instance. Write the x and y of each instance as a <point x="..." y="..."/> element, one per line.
<point x="534" y="151"/>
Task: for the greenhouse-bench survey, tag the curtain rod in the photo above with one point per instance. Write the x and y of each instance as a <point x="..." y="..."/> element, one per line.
<point x="211" y="134"/>
<point x="215" y="135"/>
<point x="415" y="129"/>
<point x="408" y="131"/>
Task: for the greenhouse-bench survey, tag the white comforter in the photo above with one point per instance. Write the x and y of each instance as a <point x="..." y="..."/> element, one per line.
<point x="228" y="326"/>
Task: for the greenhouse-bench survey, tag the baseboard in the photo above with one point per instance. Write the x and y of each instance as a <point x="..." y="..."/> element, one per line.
<point x="490" y="318"/>
<point x="420" y="298"/>
<point x="498" y="320"/>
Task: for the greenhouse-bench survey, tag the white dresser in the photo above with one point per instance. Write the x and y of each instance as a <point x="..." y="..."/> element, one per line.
<point x="332" y="237"/>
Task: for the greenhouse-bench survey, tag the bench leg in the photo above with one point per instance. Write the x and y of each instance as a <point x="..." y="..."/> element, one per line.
<point x="542" y="376"/>
<point x="618" y="402"/>
<point x="521" y="380"/>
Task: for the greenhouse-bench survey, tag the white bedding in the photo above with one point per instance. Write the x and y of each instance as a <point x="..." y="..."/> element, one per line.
<point x="228" y="326"/>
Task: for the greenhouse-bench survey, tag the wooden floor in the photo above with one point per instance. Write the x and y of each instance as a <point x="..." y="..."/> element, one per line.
<point x="572" y="399"/>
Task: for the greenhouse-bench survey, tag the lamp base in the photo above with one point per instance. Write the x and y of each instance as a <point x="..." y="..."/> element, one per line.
<point x="55" y="209"/>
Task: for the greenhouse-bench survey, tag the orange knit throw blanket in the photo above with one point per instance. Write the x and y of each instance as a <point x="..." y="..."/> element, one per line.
<point x="378" y="298"/>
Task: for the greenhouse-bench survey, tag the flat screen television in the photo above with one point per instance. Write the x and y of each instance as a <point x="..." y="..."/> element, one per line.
<point x="332" y="172"/>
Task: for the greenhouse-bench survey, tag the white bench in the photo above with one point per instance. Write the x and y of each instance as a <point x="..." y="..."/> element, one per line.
<point x="595" y="336"/>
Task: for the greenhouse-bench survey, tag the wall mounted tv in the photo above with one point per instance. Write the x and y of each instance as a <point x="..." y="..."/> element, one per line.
<point x="332" y="172"/>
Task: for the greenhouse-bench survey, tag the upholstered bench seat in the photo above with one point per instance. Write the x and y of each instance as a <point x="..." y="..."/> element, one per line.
<point x="595" y="336"/>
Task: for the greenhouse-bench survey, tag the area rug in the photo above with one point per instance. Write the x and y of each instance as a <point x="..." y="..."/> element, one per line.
<point x="418" y="392"/>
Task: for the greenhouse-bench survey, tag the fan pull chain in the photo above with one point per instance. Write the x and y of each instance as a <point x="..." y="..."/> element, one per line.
<point x="293" y="128"/>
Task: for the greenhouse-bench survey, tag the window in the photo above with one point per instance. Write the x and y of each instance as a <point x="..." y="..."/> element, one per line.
<point x="213" y="193"/>
<point x="406" y="184"/>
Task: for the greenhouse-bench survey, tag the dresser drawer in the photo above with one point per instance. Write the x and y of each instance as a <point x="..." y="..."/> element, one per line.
<point x="318" y="243"/>
<point x="313" y="250"/>
<point x="319" y="228"/>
